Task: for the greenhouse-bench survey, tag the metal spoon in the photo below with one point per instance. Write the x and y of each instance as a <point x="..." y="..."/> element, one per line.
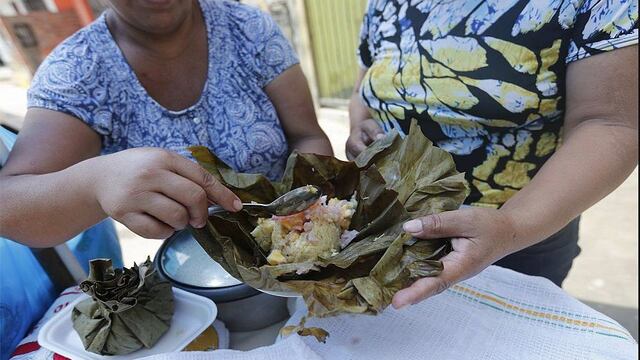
<point x="292" y="202"/>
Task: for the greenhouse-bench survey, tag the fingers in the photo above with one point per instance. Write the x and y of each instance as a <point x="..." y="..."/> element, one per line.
<point x="371" y="131"/>
<point x="166" y="211"/>
<point x="355" y="145"/>
<point x="147" y="226"/>
<point x="216" y="192"/>
<point x="367" y="132"/>
<point x="436" y="226"/>
<point x="191" y="195"/>
<point x="452" y="273"/>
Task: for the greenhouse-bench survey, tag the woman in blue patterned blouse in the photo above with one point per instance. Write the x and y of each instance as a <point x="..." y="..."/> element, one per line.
<point x="137" y="86"/>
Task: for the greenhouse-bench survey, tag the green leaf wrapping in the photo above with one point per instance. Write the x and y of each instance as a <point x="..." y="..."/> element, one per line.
<point x="394" y="179"/>
<point x="129" y="308"/>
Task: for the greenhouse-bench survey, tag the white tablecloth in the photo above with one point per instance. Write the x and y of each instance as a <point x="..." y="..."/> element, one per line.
<point x="497" y="315"/>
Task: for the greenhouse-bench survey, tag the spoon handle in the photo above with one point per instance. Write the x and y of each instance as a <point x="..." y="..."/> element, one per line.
<point x="216" y="209"/>
<point x="253" y="209"/>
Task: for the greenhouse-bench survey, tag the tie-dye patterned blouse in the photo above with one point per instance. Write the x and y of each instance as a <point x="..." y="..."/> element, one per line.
<point x="485" y="78"/>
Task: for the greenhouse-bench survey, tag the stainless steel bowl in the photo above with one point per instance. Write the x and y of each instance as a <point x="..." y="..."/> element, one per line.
<point x="187" y="266"/>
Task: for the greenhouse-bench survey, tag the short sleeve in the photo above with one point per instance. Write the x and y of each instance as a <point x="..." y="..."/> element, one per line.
<point x="363" y="52"/>
<point x="273" y="53"/>
<point x="602" y="26"/>
<point x="69" y="81"/>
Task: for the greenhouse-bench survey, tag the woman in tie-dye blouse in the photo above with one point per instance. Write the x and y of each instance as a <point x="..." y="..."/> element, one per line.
<point x="501" y="85"/>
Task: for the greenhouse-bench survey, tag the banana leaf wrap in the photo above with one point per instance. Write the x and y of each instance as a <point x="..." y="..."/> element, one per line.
<point x="128" y="309"/>
<point x="394" y="179"/>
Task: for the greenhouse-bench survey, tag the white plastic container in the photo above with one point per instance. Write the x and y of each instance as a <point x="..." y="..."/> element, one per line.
<point x="192" y="315"/>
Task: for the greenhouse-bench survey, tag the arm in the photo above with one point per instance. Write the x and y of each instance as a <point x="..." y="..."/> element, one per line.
<point x="291" y="97"/>
<point x="363" y="129"/>
<point x="599" y="151"/>
<point x="54" y="186"/>
<point x="39" y="188"/>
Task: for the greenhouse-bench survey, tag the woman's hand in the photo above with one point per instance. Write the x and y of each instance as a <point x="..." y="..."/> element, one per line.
<point x="65" y="186"/>
<point x="155" y="192"/>
<point x="363" y="133"/>
<point x="480" y="237"/>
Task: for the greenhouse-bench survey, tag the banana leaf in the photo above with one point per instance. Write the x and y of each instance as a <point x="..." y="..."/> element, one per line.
<point x="395" y="179"/>
<point x="128" y="309"/>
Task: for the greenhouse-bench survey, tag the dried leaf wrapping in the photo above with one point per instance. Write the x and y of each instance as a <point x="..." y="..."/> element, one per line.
<point x="320" y="334"/>
<point x="129" y="308"/>
<point x="394" y="179"/>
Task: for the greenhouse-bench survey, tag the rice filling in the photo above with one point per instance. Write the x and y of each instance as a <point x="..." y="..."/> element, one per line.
<point x="319" y="231"/>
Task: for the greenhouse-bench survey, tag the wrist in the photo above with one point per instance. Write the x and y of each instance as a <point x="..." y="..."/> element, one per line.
<point x="358" y="112"/>
<point x="89" y="175"/>
<point x="518" y="231"/>
<point x="354" y="123"/>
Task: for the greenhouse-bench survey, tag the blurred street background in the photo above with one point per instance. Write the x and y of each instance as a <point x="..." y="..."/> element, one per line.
<point x="324" y="32"/>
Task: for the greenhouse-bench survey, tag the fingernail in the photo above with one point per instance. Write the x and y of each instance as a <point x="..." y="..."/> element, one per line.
<point x="199" y="224"/>
<point x="379" y="136"/>
<point x="237" y="205"/>
<point x="399" y="304"/>
<point x="412" y="226"/>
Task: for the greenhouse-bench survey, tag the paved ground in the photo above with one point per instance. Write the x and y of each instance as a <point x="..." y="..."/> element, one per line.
<point x="605" y="275"/>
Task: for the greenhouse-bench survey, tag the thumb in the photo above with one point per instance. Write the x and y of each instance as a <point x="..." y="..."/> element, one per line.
<point x="443" y="225"/>
<point x="452" y="273"/>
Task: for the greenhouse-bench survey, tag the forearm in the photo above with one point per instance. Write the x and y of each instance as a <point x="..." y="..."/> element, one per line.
<point x="358" y="110"/>
<point x="313" y="144"/>
<point x="292" y="100"/>
<point x="594" y="160"/>
<point x="46" y="210"/>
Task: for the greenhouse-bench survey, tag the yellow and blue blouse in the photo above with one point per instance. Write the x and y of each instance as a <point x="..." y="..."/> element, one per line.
<point x="485" y="78"/>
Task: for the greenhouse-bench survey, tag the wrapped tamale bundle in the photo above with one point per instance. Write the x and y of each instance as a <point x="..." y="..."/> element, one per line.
<point x="129" y="308"/>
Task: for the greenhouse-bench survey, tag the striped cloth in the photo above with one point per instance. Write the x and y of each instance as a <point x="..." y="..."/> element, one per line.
<point x="499" y="314"/>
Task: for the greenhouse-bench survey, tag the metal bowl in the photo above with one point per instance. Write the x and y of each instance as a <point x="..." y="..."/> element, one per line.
<point x="183" y="262"/>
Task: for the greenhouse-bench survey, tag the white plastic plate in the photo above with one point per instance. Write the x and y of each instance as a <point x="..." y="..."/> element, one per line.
<point x="192" y="315"/>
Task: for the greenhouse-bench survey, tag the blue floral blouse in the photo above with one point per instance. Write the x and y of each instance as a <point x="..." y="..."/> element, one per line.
<point x="88" y="77"/>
